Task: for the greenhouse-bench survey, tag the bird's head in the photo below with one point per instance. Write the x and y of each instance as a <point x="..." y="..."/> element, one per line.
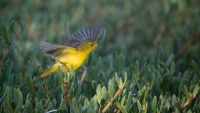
<point x="88" y="46"/>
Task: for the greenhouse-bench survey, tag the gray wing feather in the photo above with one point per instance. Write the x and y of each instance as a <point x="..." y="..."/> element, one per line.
<point x="51" y="49"/>
<point x="87" y="34"/>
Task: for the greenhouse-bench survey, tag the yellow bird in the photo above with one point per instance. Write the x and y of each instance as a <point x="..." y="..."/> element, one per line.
<point x="74" y="52"/>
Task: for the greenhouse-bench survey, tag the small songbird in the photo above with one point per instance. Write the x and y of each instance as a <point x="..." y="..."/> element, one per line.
<point x="74" y="52"/>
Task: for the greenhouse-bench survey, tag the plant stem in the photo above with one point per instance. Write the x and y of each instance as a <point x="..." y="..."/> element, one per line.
<point x="188" y="101"/>
<point x="159" y="34"/>
<point x="66" y="94"/>
<point x="111" y="101"/>
<point x="84" y="75"/>
<point x="186" y="46"/>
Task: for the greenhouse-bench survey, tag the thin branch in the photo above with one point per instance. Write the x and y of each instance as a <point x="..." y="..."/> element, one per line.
<point x="159" y="34"/>
<point x="188" y="102"/>
<point x="84" y="75"/>
<point x="111" y="101"/>
<point x="186" y="46"/>
<point x="9" y="108"/>
<point x="35" y="89"/>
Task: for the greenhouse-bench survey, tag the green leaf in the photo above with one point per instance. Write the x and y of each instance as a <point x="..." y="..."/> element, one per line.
<point x="172" y="69"/>
<point x="162" y="101"/>
<point x="174" y="101"/>
<point x="139" y="106"/>
<point x="75" y="107"/>
<point x="128" y="101"/>
<point x="90" y="109"/>
<point x="60" y="78"/>
<point x="153" y="81"/>
<point x="62" y="103"/>
<point x="167" y="104"/>
<point x="123" y="100"/>
<point x="54" y="102"/>
<point x="16" y="27"/>
<point x="169" y="60"/>
<point x="94" y="84"/>
<point x="137" y="67"/>
<point x="94" y="100"/>
<point x="8" y="94"/>
<point x="117" y="79"/>
<point x="18" y="98"/>
<point x="159" y="52"/>
<point x="196" y="90"/>
<point x="93" y="103"/>
<point x="72" y="72"/>
<point x="142" y="70"/>
<point x="154" y="104"/>
<point x="196" y="69"/>
<point x="124" y="91"/>
<point x="145" y="108"/>
<point x="187" y="93"/>
<point x="28" y="107"/>
<point x="2" y="98"/>
<point x="134" y="100"/>
<point x="111" y="62"/>
<point x="38" y="107"/>
<point x="105" y="93"/>
<point x="189" y="111"/>
<point x="29" y="69"/>
<point x="49" y="105"/>
<point x="5" y="34"/>
<point x="183" y="101"/>
<point x="122" y="108"/>
<point x="99" y="93"/>
<point x="90" y="58"/>
<point x="86" y="104"/>
<point x="111" y="87"/>
<point x="121" y="82"/>
<point x="124" y="77"/>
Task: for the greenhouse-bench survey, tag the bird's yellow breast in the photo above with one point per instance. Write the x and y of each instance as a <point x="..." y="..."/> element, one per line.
<point x="75" y="58"/>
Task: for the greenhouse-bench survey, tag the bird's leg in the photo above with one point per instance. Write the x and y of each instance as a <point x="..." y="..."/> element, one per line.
<point x="61" y="63"/>
<point x="64" y="65"/>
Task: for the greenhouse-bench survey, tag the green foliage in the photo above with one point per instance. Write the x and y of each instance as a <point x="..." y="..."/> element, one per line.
<point x="148" y="63"/>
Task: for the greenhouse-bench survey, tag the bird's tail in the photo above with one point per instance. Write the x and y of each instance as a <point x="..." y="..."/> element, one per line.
<point x="48" y="71"/>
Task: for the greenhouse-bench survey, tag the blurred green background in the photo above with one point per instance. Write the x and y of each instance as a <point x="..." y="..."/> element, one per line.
<point x="150" y="33"/>
<point x="134" y="28"/>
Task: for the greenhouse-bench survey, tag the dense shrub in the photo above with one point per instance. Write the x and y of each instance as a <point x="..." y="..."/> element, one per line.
<point x="149" y="61"/>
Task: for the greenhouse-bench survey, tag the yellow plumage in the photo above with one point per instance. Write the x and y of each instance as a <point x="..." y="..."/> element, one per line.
<point x="74" y="53"/>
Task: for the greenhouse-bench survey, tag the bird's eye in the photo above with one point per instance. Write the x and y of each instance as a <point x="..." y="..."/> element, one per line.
<point x="92" y="45"/>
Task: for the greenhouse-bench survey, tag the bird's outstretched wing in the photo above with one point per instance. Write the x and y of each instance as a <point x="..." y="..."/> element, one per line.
<point x="87" y="34"/>
<point x="55" y="50"/>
